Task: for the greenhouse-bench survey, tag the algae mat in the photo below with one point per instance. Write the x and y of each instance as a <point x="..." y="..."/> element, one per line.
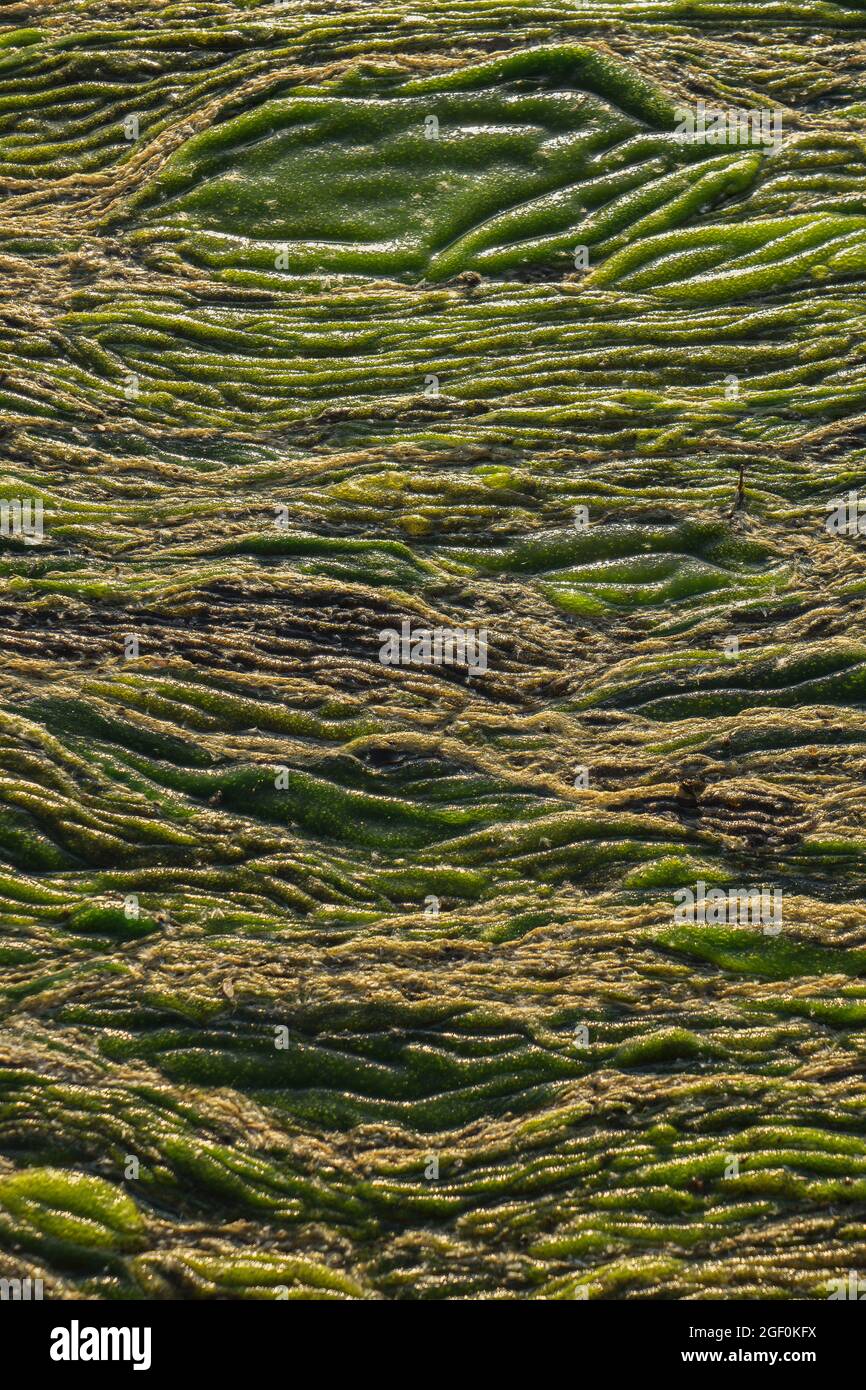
<point x="432" y="693"/>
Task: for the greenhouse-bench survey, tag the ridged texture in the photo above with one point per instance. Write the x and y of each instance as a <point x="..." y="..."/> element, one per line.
<point x="166" y="386"/>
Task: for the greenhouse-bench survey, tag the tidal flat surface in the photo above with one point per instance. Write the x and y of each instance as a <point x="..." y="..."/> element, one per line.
<point x="328" y="978"/>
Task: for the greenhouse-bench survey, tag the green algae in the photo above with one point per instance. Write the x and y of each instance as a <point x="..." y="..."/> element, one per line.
<point x="69" y="1216"/>
<point x="284" y="924"/>
<point x="308" y="172"/>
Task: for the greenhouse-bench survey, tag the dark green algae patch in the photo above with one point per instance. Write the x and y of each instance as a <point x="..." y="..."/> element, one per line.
<point x="281" y="924"/>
